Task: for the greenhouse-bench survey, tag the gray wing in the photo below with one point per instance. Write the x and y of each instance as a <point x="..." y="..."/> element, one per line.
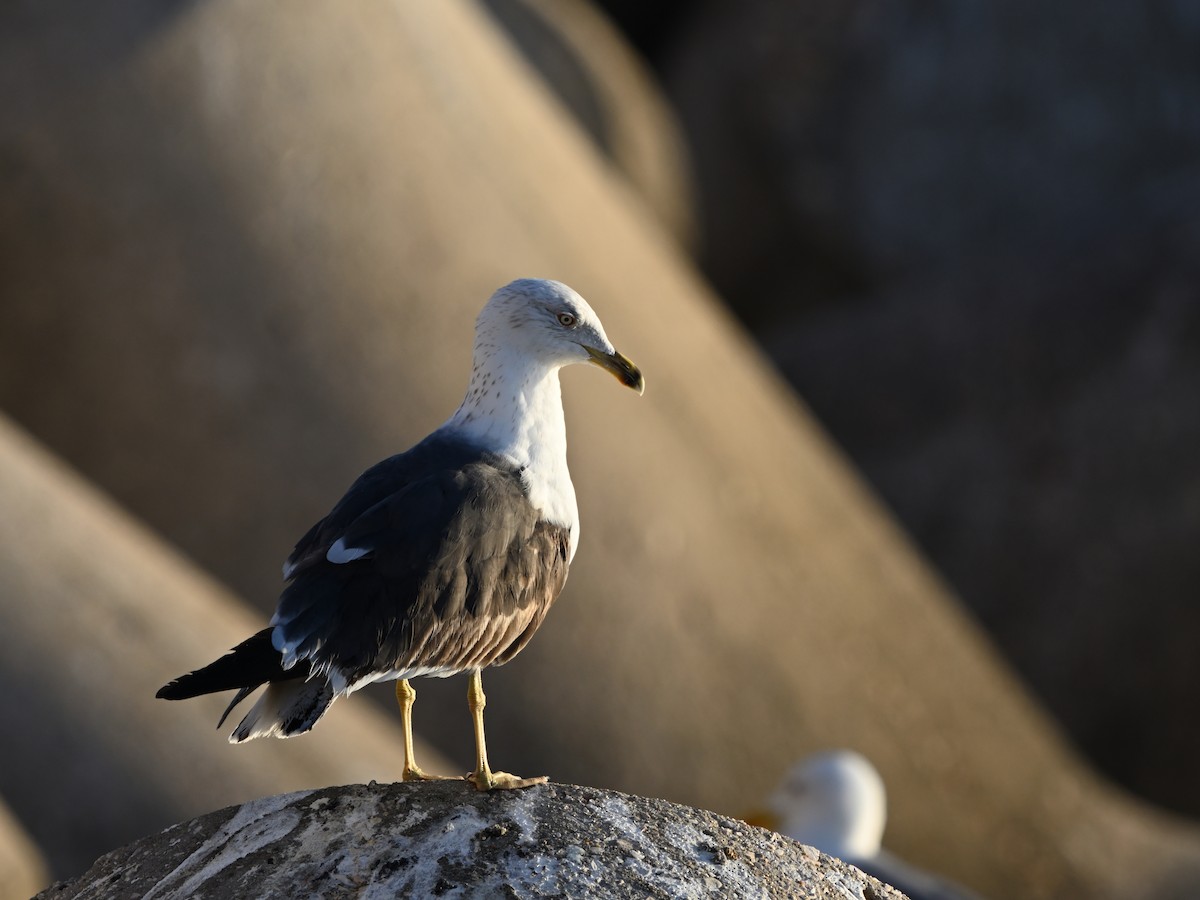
<point x="377" y="483"/>
<point x="453" y="571"/>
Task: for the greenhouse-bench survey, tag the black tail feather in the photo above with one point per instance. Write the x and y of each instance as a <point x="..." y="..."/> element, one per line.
<point x="253" y="662"/>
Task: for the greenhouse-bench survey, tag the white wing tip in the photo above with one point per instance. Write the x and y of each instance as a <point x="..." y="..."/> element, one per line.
<point x="339" y="553"/>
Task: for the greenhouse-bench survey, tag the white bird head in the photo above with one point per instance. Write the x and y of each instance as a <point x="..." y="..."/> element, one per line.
<point x="834" y="801"/>
<point x="549" y="322"/>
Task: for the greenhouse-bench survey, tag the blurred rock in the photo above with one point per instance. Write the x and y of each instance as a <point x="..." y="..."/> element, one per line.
<point x="890" y="139"/>
<point x="242" y="260"/>
<point x="1072" y="485"/>
<point x="968" y="234"/>
<point x="611" y="95"/>
<point x="95" y="615"/>
<point x="22" y="870"/>
<point x="433" y="839"/>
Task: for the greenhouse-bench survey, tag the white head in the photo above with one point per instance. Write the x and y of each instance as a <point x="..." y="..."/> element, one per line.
<point x="835" y="802"/>
<point x="550" y="325"/>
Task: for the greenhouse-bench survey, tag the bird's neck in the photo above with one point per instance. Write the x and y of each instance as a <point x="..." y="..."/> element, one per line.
<point x="514" y="408"/>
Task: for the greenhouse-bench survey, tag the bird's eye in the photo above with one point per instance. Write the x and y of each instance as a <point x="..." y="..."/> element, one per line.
<point x="566" y="320"/>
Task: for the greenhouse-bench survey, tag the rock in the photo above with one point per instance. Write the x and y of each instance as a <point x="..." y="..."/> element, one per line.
<point x="890" y="140"/>
<point x="968" y="234"/>
<point x="446" y="838"/>
<point x="611" y="94"/>
<point x="1050" y="477"/>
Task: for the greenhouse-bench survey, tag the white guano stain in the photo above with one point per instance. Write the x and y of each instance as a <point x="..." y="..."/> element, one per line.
<point x="253" y="826"/>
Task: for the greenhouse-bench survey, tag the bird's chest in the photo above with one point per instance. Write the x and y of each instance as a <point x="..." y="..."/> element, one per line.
<point x="547" y="484"/>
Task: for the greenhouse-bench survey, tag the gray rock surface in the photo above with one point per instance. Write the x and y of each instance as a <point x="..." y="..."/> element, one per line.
<point x="447" y="839"/>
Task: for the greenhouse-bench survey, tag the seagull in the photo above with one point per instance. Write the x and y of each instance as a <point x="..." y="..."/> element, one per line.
<point x="440" y="560"/>
<point x="836" y="802"/>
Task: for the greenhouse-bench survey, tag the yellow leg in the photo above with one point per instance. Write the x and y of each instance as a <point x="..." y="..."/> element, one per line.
<point x="483" y="777"/>
<point x="406" y="697"/>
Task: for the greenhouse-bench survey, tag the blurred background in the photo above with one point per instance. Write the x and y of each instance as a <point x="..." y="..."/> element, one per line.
<point x="241" y="250"/>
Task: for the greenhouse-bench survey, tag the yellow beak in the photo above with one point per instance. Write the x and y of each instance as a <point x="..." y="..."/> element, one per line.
<point x="624" y="370"/>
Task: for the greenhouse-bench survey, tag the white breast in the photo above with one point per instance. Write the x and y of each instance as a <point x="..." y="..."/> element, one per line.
<point x="513" y="407"/>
